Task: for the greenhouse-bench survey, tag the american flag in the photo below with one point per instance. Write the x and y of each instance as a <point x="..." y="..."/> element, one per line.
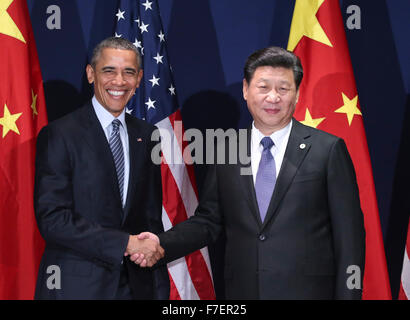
<point x="155" y="101"/>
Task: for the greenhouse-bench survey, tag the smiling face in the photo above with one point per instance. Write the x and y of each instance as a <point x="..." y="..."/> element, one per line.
<point x="271" y="96"/>
<point x="116" y="76"/>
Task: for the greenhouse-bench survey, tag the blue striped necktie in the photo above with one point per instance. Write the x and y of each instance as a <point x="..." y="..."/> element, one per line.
<point x="265" y="178"/>
<point x="118" y="154"/>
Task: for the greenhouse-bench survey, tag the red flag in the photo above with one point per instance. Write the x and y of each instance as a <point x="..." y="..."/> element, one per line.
<point x="404" y="293"/>
<point x="22" y="115"/>
<point x="329" y="101"/>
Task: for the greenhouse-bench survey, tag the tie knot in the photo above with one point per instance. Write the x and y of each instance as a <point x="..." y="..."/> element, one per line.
<point x="115" y="125"/>
<point x="267" y="143"/>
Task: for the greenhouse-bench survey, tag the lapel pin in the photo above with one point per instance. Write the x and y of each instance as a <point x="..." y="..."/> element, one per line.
<point x="139" y="139"/>
<point x="302" y="146"/>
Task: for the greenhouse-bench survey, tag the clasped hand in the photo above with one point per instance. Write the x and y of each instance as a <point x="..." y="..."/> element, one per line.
<point x="144" y="249"/>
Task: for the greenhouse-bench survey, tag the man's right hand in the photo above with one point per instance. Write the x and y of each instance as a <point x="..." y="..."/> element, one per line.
<point x="144" y="249"/>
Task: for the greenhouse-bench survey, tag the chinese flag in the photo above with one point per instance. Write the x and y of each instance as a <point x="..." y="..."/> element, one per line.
<point x="22" y="115"/>
<point x="329" y="101"/>
<point x="404" y="293"/>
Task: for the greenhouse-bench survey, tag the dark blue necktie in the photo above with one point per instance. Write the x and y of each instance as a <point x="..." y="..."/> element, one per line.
<point x="118" y="154"/>
<point x="266" y="177"/>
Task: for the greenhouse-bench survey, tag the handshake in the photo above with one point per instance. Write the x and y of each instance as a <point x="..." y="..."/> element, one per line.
<point x="144" y="249"/>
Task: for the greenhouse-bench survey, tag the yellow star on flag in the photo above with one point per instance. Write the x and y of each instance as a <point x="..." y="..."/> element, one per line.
<point x="305" y="23"/>
<point x="311" y="122"/>
<point x="34" y="103"/>
<point x="9" y="121"/>
<point x="7" y="25"/>
<point x="349" y="107"/>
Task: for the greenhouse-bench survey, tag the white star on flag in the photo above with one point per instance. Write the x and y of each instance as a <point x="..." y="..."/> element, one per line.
<point x="161" y="36"/>
<point x="158" y="58"/>
<point x="144" y="27"/>
<point x="154" y="80"/>
<point x="137" y="43"/>
<point x="120" y="15"/>
<point x="147" y="5"/>
<point x="150" y="103"/>
<point x="172" y="90"/>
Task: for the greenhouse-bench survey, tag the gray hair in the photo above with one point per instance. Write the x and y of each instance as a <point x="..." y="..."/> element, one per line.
<point x="114" y="43"/>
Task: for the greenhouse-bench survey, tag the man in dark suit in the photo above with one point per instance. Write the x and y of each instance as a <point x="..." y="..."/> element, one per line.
<point x="294" y="227"/>
<point x="96" y="188"/>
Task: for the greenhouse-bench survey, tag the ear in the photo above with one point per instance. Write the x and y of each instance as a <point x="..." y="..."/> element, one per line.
<point x="245" y="87"/>
<point x="297" y="96"/>
<point x="139" y="77"/>
<point x="90" y="73"/>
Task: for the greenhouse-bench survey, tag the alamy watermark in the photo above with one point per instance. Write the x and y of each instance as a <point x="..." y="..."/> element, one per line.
<point x="354" y="20"/>
<point x="53" y="22"/>
<point x="54" y="280"/>
<point x="354" y="281"/>
<point x="216" y="146"/>
<point x="54" y="19"/>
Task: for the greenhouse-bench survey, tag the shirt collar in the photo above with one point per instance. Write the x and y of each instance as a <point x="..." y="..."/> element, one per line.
<point x="104" y="116"/>
<point x="277" y="137"/>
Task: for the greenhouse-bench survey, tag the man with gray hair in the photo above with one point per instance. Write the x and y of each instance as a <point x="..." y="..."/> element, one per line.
<point x="96" y="188"/>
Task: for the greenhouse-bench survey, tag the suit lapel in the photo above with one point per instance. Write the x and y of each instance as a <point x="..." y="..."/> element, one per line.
<point x="95" y="138"/>
<point x="296" y="150"/>
<point x="137" y="155"/>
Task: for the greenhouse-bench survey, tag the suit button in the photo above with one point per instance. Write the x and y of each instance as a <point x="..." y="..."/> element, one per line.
<point x="262" y="237"/>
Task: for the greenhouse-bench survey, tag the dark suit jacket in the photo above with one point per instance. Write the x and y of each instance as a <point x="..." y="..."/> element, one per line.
<point x="312" y="233"/>
<point x="79" y="212"/>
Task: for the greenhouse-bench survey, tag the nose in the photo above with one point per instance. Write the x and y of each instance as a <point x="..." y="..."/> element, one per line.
<point x="272" y="96"/>
<point x="119" y="79"/>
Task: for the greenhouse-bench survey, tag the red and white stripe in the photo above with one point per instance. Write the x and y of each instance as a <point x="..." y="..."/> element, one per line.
<point x="404" y="293"/>
<point x="190" y="276"/>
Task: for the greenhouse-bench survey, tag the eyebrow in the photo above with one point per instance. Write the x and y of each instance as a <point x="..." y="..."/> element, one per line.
<point x="262" y="80"/>
<point x="107" y="68"/>
<point x="110" y="68"/>
<point x="130" y="69"/>
<point x="268" y="80"/>
<point x="286" y="84"/>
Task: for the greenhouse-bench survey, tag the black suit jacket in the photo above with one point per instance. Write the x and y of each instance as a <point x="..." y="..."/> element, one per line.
<point x="312" y="233"/>
<point x="79" y="211"/>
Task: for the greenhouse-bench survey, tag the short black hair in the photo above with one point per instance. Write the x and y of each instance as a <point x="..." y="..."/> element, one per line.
<point x="114" y="43"/>
<point x="274" y="57"/>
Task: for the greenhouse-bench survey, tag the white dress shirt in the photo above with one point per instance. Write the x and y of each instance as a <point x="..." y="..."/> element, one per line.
<point x="106" y="119"/>
<point x="280" y="139"/>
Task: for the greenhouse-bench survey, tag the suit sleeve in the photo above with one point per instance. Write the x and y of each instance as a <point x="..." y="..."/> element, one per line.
<point x="199" y="230"/>
<point x="58" y="223"/>
<point x="347" y="223"/>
